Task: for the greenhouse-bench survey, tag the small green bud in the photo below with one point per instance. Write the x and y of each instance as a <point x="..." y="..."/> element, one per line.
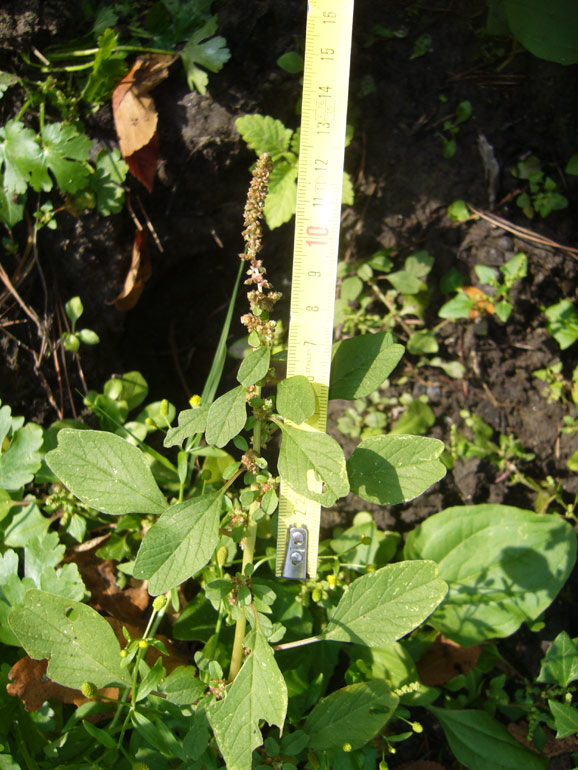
<point x="417" y="727"/>
<point x="143" y="644"/>
<point x="347" y="747"/>
<point x="222" y="556"/>
<point x="123" y="653"/>
<point x="164" y="407"/>
<point x="140" y="766"/>
<point x="89" y="689"/>
<point x="316" y="594"/>
<point x="150" y="422"/>
<point x="159" y="602"/>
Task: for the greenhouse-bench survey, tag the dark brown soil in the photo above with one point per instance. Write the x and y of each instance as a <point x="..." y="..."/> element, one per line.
<point x="403" y="186"/>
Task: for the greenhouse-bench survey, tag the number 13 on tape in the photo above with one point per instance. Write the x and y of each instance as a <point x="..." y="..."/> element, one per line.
<point x="318" y="213"/>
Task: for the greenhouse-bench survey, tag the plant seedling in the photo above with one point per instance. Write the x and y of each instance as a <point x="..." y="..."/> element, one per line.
<point x="543" y="195"/>
<point x="472" y="302"/>
<point x="71" y="340"/>
<point x="451" y="127"/>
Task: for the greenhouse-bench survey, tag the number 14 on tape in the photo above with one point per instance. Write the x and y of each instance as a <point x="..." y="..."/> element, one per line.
<point x="317" y="221"/>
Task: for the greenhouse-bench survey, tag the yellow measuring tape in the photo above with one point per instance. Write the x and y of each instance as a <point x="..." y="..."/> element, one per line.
<point x="318" y="214"/>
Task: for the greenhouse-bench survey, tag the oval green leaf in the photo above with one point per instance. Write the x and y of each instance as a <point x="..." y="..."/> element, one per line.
<point x="353" y="715"/>
<point x="503" y="565"/>
<point x="179" y="543"/>
<point x="227" y="416"/>
<point x="361" y="364"/>
<point x="105" y="472"/>
<point x="396" y="468"/>
<point x="474" y="736"/>
<point x="382" y="606"/>
<point x="254" y="367"/>
<point x="296" y="399"/>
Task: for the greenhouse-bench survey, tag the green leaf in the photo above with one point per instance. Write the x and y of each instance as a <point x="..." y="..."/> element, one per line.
<point x="107" y="181"/>
<point x="560" y="663"/>
<point x="565" y="718"/>
<point x="396" y="468"/>
<point x="22" y="458"/>
<point x="291" y="62"/>
<point x="572" y="165"/>
<point x="422" y="341"/>
<point x="21" y="157"/>
<point x="459" y="306"/>
<point x="548" y="30"/>
<point x="475" y="735"/>
<point x="179" y="543"/>
<point x="258" y="692"/>
<point x="562" y="323"/>
<point x="183" y="686"/>
<point x="212" y="54"/>
<point x="282" y="196"/>
<point x="11" y="207"/>
<point x="190" y="423"/>
<point x="254" y="367"/>
<point x="313" y="465"/>
<point x="382" y="606"/>
<point x="130" y="387"/>
<point x="347" y="191"/>
<point x="100" y="735"/>
<point x="353" y="715"/>
<point x="263" y="133"/>
<point x="458" y="211"/>
<point x="80" y="644"/>
<point x="361" y="364"/>
<point x="26" y="525"/>
<point x="226" y="417"/>
<point x="296" y="399"/>
<point x="7" y="79"/>
<point x="108" y="67"/>
<point x="105" y="472"/>
<point x="65" y="152"/>
<point x="503" y="565"/>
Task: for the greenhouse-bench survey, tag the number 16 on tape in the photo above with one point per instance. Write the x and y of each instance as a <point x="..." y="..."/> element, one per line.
<point x="317" y="220"/>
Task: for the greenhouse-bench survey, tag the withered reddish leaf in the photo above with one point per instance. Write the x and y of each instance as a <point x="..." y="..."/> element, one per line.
<point x="135" y="115"/>
<point x="446" y="659"/>
<point x="138" y="274"/>
<point x="143" y="163"/>
<point x="29" y="683"/>
<point x="484" y="303"/>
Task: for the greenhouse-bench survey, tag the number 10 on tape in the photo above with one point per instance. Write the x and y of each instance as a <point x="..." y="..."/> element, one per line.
<point x="318" y="213"/>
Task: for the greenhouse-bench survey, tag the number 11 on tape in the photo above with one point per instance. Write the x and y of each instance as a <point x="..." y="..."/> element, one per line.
<point x="317" y="220"/>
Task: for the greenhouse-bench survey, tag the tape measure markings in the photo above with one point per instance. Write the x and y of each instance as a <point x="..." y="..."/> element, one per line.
<point x="318" y="211"/>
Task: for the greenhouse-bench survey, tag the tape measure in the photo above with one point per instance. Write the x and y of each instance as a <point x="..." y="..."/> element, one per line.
<point x="317" y="222"/>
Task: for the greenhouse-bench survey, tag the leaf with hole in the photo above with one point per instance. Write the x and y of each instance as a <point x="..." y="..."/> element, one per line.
<point x="80" y="644"/>
<point x="313" y="465"/>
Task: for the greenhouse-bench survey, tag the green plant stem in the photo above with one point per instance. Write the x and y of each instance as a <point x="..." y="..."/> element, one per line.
<point x="248" y="555"/>
<point x="298" y="643"/>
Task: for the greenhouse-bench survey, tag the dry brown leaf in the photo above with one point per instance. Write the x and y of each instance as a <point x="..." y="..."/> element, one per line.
<point x="143" y="163"/>
<point x="135" y="115"/>
<point x="138" y="273"/>
<point x="29" y="683"/>
<point x="446" y="659"/>
<point x="484" y="303"/>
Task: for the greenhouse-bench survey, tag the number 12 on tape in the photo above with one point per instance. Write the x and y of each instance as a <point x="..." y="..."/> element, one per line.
<point x="317" y="220"/>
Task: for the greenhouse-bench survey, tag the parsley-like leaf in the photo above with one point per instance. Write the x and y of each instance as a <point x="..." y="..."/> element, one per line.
<point x="211" y="53"/>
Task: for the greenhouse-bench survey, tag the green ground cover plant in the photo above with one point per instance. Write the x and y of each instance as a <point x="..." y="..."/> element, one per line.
<point x="196" y="518"/>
